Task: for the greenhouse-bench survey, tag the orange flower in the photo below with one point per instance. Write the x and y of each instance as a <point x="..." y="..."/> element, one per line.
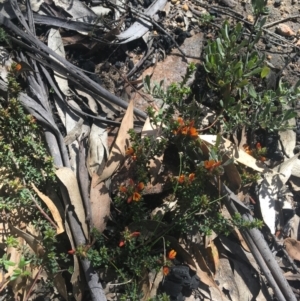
<point x="129" y="151"/>
<point x="247" y="149"/>
<point x="140" y="186"/>
<point x="71" y="252"/>
<point x="18" y="67"/>
<point x="258" y="146"/>
<point x="193" y="132"/>
<point x="211" y="164"/>
<point x="184" y="130"/>
<point x="129" y="200"/>
<point x="180" y="121"/>
<point x="136" y="196"/>
<point x="191" y="177"/>
<point x="181" y="179"/>
<point x="166" y="270"/>
<point x="122" y="189"/>
<point x="172" y="254"/>
<point x="121" y="243"/>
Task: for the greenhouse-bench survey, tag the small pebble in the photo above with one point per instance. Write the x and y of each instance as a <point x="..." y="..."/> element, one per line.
<point x="185" y="7"/>
<point x="174" y="1"/>
<point x="269" y="57"/>
<point x="194" y="21"/>
<point x="250" y="18"/>
<point x="285" y="30"/>
<point x="189" y="14"/>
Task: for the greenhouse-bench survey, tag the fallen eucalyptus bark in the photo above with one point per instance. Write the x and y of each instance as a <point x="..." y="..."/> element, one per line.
<point x="259" y="248"/>
<point x="91" y="276"/>
<point x="37" y="47"/>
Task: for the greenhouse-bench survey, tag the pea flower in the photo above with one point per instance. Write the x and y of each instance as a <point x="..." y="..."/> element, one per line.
<point x="172" y="254"/>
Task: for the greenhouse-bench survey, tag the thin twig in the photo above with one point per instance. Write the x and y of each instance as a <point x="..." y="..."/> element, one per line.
<point x="280" y="21"/>
<point x="33" y="283"/>
<point x="43" y="212"/>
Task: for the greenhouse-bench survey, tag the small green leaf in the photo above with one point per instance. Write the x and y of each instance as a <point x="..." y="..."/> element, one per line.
<point x="251" y="91"/>
<point x="264" y="72"/>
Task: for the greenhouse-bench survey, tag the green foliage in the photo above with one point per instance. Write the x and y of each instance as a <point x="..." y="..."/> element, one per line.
<point x="5" y="262"/>
<point x="25" y="160"/>
<point x="233" y="65"/>
<point x="21" y="271"/>
<point x="3" y="36"/>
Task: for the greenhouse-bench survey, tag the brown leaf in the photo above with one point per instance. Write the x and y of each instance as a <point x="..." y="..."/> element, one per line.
<point x="55" y="213"/>
<point x="60" y="285"/>
<point x="239" y="236"/>
<point x="100" y="204"/>
<point x="213" y="254"/>
<point x="292" y="246"/>
<point x="117" y="154"/>
<point x="31" y="240"/>
<point x="68" y="178"/>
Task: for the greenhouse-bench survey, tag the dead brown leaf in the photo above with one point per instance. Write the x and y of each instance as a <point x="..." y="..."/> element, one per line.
<point x="68" y="178"/>
<point x="60" y="285"/>
<point x="292" y="247"/>
<point x="117" y="154"/>
<point x="54" y="211"/>
<point x="213" y="254"/>
<point x="33" y="243"/>
<point x="100" y="204"/>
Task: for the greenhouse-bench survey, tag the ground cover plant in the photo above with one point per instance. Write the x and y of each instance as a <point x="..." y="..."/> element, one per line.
<point x="133" y="244"/>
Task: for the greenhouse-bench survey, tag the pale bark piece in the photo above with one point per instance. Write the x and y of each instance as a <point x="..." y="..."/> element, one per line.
<point x="140" y="27"/>
<point x="269" y="190"/>
<point x="288" y="138"/>
<point x="100" y="204"/>
<point x="68" y="179"/>
<point x="56" y="44"/>
<point x="117" y="153"/>
<point x="98" y="149"/>
<point x="54" y="211"/>
<point x="248" y="287"/>
<point x="74" y="133"/>
<point x="77" y="9"/>
<point x="292" y="247"/>
<point x="91" y="101"/>
<point x="225" y="278"/>
<point x="151" y="131"/>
